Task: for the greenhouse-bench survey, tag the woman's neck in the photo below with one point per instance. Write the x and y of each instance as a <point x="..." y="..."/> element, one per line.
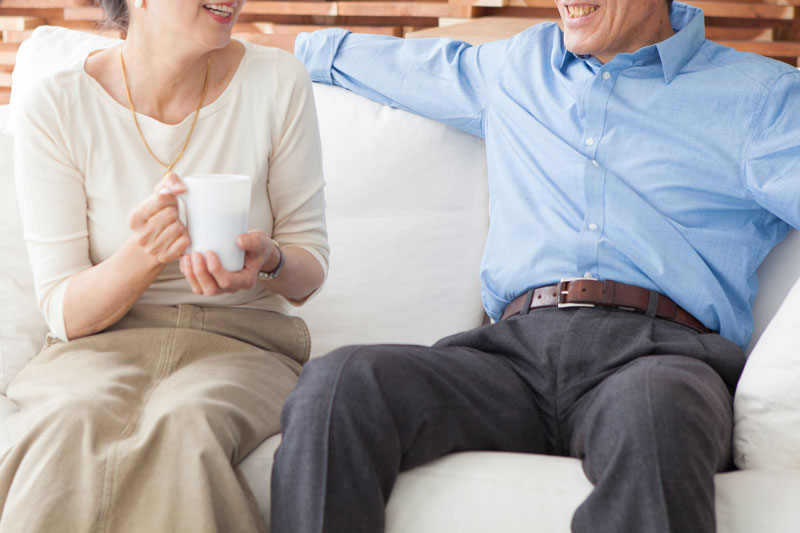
<point x="166" y="83"/>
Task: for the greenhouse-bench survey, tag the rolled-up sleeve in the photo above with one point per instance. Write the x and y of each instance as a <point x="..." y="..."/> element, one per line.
<point x="442" y="79"/>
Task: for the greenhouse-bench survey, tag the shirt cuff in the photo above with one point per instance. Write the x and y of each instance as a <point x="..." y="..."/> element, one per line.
<point x="317" y="51"/>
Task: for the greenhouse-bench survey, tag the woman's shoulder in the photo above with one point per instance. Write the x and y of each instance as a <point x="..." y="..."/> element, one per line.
<point x="273" y="65"/>
<point x="46" y="92"/>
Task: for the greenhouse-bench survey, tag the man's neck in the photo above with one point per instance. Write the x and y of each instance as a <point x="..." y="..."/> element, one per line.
<point x="657" y="29"/>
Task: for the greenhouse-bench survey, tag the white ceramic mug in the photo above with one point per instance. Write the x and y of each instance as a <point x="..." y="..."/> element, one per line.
<point x="217" y="207"/>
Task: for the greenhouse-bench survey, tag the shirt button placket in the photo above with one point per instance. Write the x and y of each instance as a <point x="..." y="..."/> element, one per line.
<point x="597" y="97"/>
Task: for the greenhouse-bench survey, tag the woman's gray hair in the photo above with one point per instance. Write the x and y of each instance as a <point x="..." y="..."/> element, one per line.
<point x="116" y="13"/>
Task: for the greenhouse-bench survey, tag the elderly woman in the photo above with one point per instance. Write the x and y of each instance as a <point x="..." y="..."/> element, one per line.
<point x="162" y="370"/>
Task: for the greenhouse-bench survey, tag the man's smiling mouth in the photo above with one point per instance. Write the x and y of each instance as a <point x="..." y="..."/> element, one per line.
<point x="576" y="12"/>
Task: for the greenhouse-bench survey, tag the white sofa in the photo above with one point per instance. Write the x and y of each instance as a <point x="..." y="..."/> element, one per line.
<point x="407" y="215"/>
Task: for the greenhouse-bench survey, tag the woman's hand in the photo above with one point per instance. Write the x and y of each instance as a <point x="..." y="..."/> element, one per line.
<point x="207" y="276"/>
<point x="157" y="229"/>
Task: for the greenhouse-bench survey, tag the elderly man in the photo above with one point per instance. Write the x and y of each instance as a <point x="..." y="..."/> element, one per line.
<point x="638" y="176"/>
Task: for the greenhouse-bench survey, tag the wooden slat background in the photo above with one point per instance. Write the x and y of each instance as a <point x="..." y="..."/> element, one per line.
<point x="768" y="27"/>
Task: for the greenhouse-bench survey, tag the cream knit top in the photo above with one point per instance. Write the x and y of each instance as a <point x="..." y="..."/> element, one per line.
<point x="81" y="168"/>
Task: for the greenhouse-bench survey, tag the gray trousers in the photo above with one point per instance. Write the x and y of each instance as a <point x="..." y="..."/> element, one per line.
<point x="644" y="403"/>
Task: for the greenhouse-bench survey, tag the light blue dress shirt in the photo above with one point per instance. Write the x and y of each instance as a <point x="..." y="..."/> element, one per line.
<point x="675" y="168"/>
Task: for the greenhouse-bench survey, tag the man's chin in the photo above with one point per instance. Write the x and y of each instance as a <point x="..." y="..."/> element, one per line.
<point x="579" y="50"/>
<point x="576" y="45"/>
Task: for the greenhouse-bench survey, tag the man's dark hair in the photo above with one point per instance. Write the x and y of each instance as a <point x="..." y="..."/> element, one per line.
<point x="116" y="13"/>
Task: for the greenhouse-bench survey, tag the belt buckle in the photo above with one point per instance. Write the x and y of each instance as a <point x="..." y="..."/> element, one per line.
<point x="561" y="292"/>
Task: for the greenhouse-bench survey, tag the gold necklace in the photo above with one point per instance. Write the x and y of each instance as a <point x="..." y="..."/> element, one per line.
<point x="136" y="122"/>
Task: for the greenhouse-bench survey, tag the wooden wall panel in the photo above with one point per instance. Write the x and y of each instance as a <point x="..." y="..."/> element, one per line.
<point x="768" y="27"/>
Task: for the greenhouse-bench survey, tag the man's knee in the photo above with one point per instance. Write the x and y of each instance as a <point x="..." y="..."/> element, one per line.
<point x="347" y="377"/>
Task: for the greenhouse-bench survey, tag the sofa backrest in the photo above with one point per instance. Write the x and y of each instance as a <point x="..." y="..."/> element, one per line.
<point x="22" y="327"/>
<point x="407" y="207"/>
<point x="408" y="212"/>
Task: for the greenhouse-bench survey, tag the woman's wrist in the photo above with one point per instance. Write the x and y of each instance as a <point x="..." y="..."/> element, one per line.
<point x="132" y="251"/>
<point x="273" y="263"/>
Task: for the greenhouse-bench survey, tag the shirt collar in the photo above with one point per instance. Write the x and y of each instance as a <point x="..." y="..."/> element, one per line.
<point x="689" y="25"/>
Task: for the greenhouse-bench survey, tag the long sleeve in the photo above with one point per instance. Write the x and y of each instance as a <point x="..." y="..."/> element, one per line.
<point x="52" y="200"/>
<point x="772" y="165"/>
<point x="441" y="79"/>
<point x="295" y="184"/>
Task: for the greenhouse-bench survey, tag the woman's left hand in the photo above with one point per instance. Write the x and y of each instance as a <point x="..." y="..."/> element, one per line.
<point x="207" y="276"/>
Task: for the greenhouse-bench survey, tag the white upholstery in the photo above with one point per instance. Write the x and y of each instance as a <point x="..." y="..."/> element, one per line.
<point x="22" y="327"/>
<point x="407" y="211"/>
<point x="767" y="402"/>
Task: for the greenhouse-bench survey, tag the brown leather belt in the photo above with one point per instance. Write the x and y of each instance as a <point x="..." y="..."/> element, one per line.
<point x="587" y="292"/>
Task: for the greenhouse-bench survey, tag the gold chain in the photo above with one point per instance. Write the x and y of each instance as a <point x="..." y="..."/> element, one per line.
<point x="136" y="122"/>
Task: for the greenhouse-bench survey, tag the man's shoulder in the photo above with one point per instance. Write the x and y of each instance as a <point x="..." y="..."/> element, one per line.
<point x="535" y="45"/>
<point x="745" y="67"/>
<point x="542" y="33"/>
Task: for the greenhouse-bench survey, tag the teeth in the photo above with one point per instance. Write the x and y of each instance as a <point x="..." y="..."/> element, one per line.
<point x="221" y="9"/>
<point x="580" y="11"/>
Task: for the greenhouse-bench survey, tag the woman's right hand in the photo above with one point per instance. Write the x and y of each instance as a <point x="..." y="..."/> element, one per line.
<point x="156" y="225"/>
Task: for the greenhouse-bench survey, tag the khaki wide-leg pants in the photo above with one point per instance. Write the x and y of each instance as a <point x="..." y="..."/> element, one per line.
<point x="138" y="428"/>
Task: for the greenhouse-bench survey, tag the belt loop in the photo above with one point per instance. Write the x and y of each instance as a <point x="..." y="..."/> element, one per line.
<point x="652" y="305"/>
<point x="609" y="289"/>
<point x="526" y="303"/>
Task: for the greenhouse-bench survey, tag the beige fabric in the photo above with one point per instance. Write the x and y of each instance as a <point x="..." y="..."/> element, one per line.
<point x="81" y="168"/>
<point x="136" y="429"/>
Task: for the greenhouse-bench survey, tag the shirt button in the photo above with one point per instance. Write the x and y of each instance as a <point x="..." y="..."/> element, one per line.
<point x="589" y="141"/>
<point x="587" y="275"/>
<point x="592" y="226"/>
<point x="606" y="75"/>
<point x="595" y="163"/>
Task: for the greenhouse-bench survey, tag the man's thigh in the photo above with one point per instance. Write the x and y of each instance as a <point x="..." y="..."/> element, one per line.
<point x="664" y="406"/>
<point x="436" y="400"/>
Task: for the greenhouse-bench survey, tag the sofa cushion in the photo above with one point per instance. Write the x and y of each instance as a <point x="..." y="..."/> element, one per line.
<point x="22" y="327"/>
<point x="475" y="492"/>
<point x="407" y="219"/>
<point x="767" y="400"/>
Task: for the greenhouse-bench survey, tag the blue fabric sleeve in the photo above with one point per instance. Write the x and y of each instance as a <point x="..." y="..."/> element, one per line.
<point x="772" y="166"/>
<point x="442" y="79"/>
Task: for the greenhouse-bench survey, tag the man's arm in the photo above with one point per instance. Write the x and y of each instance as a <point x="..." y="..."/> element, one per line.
<point x="441" y="79"/>
<point x="772" y="157"/>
